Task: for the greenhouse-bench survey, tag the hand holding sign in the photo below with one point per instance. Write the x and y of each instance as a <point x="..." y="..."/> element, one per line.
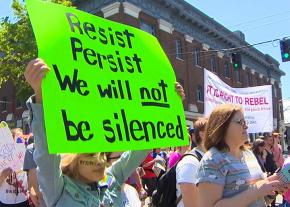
<point x="284" y="175"/>
<point x="180" y="90"/>
<point x="34" y="73"/>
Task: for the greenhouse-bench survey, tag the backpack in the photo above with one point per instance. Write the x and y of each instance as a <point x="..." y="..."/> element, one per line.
<point x="165" y="193"/>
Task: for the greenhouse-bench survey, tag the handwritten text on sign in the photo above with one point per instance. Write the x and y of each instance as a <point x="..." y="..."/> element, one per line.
<point x="11" y="154"/>
<point x="110" y="88"/>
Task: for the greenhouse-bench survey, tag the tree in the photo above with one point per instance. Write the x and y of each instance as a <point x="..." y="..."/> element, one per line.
<point x="18" y="47"/>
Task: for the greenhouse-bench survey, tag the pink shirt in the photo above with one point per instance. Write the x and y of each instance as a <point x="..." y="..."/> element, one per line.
<point x="173" y="159"/>
<point x="278" y="156"/>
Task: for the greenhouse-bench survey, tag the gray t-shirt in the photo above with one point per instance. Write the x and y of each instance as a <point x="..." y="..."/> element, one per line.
<point x="28" y="159"/>
<point x="234" y="174"/>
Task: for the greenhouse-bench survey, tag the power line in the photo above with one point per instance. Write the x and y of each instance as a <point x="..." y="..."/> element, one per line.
<point x="259" y="18"/>
<point x="282" y="20"/>
<point x="233" y="48"/>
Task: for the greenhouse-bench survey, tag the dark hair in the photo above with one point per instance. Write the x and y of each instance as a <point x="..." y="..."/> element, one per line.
<point x="199" y="126"/>
<point x="191" y="131"/>
<point x="218" y="123"/>
<point x="267" y="136"/>
<point x="256" y="144"/>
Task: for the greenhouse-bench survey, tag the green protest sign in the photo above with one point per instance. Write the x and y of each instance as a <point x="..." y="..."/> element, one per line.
<point x="110" y="86"/>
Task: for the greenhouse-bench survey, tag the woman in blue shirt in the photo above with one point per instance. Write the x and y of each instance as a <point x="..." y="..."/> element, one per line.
<point x="229" y="175"/>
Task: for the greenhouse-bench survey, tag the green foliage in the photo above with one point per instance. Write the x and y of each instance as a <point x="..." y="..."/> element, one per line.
<point x="18" y="47"/>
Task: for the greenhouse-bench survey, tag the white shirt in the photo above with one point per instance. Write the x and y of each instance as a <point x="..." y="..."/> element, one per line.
<point x="130" y="197"/>
<point x="8" y="192"/>
<point x="186" y="173"/>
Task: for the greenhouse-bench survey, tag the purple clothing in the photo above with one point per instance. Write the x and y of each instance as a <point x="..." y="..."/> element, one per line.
<point x="173" y="159"/>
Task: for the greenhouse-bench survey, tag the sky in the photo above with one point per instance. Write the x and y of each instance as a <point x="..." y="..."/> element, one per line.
<point x="259" y="20"/>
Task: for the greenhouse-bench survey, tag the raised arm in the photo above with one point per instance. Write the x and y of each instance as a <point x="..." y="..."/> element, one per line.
<point x="48" y="165"/>
<point x="126" y="164"/>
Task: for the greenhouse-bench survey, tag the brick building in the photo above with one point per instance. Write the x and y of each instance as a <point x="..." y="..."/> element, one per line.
<point x="12" y="110"/>
<point x="187" y="36"/>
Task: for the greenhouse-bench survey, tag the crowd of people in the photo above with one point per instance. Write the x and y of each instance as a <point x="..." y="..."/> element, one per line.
<point x="223" y="171"/>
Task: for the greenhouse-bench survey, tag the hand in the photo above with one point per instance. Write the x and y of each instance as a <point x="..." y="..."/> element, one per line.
<point x="6" y="172"/>
<point x="142" y="194"/>
<point x="282" y="187"/>
<point x="266" y="187"/>
<point x="180" y="90"/>
<point x="34" y="73"/>
<point x="273" y="177"/>
<point x="35" y="197"/>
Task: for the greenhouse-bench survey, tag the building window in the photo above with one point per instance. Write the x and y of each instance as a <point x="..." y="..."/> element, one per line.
<point x="4" y="104"/>
<point x="147" y="27"/>
<point x="238" y="75"/>
<point x="226" y="70"/>
<point x="200" y="93"/>
<point x="213" y="64"/>
<point x="197" y="56"/>
<point x="178" y="47"/>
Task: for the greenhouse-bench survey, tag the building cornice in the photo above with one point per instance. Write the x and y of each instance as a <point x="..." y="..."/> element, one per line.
<point x="131" y="9"/>
<point x="111" y="9"/>
<point x="244" y="66"/>
<point x="205" y="47"/>
<point x="272" y="81"/>
<point x="220" y="54"/>
<point x="165" y="26"/>
<point x="188" y="38"/>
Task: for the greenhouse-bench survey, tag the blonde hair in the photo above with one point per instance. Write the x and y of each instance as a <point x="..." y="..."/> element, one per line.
<point x="218" y="123"/>
<point x="16" y="131"/>
<point x="70" y="163"/>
